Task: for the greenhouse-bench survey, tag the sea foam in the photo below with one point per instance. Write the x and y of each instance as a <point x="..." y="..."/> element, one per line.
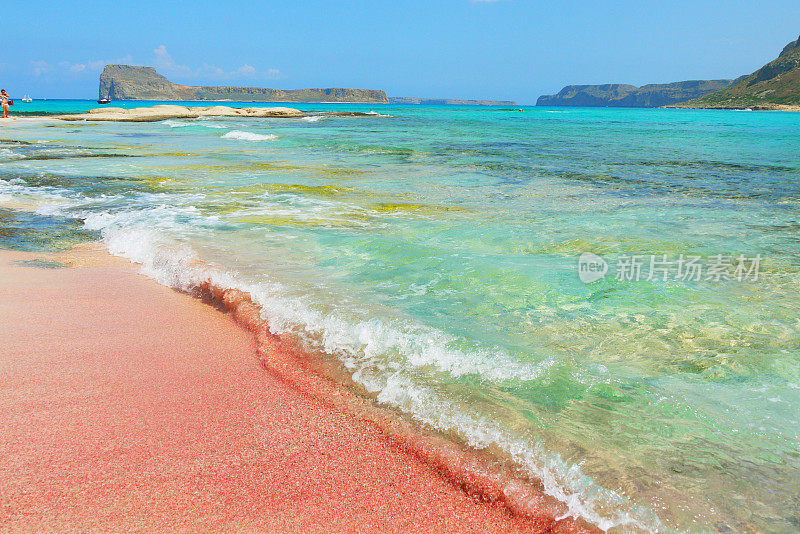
<point x="248" y="136"/>
<point x="144" y="237"/>
<point x="359" y="346"/>
<point x="7" y="153"/>
<point x="181" y="124"/>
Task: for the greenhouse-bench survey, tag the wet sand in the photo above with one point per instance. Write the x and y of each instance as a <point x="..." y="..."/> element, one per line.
<point x="127" y="406"/>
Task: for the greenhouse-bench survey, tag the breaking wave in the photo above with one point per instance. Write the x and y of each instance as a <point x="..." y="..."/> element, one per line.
<point x="360" y="347"/>
<point x="248" y="136"/>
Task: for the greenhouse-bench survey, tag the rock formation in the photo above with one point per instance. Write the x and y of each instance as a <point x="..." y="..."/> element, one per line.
<point x="168" y="111"/>
<point x="630" y="96"/>
<point x="126" y="82"/>
<point x="776" y="85"/>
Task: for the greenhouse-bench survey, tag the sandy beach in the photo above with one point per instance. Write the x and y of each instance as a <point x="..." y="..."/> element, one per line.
<point x="127" y="406"/>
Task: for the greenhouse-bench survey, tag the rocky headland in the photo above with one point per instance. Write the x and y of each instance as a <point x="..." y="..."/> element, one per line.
<point x="631" y="96"/>
<point x="775" y="86"/>
<point x="127" y="82"/>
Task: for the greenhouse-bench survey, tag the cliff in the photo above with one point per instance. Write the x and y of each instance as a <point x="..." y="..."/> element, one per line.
<point x="126" y="82"/>
<point x="448" y="101"/>
<point x="776" y="85"/>
<point x="631" y="96"/>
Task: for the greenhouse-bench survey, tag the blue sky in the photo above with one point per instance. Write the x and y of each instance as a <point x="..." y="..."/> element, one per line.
<point x="503" y="49"/>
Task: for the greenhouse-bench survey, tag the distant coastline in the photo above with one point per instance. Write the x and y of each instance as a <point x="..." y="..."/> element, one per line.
<point x="773" y="87"/>
<point x="621" y="95"/>
<point x="128" y="82"/>
<point x="448" y="101"/>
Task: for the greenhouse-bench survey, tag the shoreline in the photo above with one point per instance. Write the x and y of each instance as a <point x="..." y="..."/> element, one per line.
<point x="83" y="364"/>
<point x="755" y="107"/>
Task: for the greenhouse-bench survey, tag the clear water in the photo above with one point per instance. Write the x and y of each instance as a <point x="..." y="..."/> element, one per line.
<point x="434" y="252"/>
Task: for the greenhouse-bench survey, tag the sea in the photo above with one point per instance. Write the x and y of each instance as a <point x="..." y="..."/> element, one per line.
<point x="606" y="300"/>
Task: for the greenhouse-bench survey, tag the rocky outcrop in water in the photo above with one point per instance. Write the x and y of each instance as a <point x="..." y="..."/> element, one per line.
<point x="127" y="82"/>
<point x="168" y="111"/>
<point x="631" y="96"/>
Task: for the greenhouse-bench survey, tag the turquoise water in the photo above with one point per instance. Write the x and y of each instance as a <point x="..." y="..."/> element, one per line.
<point x="434" y="252"/>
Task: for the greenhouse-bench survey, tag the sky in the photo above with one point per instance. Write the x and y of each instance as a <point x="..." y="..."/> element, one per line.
<point x="487" y="49"/>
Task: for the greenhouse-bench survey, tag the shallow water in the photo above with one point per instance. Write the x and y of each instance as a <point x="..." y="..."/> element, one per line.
<point x="434" y="252"/>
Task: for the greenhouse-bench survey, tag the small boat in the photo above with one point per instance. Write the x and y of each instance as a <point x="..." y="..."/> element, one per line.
<point x="27" y="99"/>
<point x="104" y="101"/>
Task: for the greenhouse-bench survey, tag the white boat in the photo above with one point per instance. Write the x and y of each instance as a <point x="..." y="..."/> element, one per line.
<point x="27" y="98"/>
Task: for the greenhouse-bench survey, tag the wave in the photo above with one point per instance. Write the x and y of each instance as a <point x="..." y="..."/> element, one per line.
<point x="275" y="314"/>
<point x="268" y="309"/>
<point x="356" y="114"/>
<point x="7" y="153"/>
<point x="180" y="124"/>
<point x="312" y="118"/>
<point x="175" y="124"/>
<point x="248" y="136"/>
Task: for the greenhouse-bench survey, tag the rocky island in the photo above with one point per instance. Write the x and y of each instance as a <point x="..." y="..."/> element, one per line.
<point x="631" y="96"/>
<point x="776" y="85"/>
<point x="127" y="82"/>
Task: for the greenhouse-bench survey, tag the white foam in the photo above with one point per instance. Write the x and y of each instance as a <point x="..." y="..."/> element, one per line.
<point x="248" y="136"/>
<point x="5" y="198"/>
<point x="565" y="482"/>
<point x="313" y="118"/>
<point x="174" y="124"/>
<point x="180" y="124"/>
<point x="8" y="153"/>
<point x="393" y="357"/>
<point x="362" y="348"/>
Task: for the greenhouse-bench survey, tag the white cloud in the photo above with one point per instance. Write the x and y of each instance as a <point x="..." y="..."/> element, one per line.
<point x="94" y="66"/>
<point x="98" y="64"/>
<point x="165" y="63"/>
<point x="41" y="67"/>
<point x="246" y="70"/>
<point x="211" y="70"/>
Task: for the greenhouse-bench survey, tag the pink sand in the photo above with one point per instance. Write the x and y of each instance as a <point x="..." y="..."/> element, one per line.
<point x="127" y="406"/>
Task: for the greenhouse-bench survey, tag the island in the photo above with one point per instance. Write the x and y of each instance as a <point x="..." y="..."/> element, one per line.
<point x="128" y="82"/>
<point x="630" y="96"/>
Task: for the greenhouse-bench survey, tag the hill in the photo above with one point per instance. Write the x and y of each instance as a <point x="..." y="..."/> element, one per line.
<point x="631" y="96"/>
<point x="776" y="85"/>
<point x="127" y="82"/>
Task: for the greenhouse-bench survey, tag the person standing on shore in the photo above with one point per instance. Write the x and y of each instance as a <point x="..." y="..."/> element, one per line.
<point x="4" y="100"/>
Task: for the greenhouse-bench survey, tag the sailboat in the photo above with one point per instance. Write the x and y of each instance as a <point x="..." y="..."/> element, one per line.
<point x="27" y="98"/>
